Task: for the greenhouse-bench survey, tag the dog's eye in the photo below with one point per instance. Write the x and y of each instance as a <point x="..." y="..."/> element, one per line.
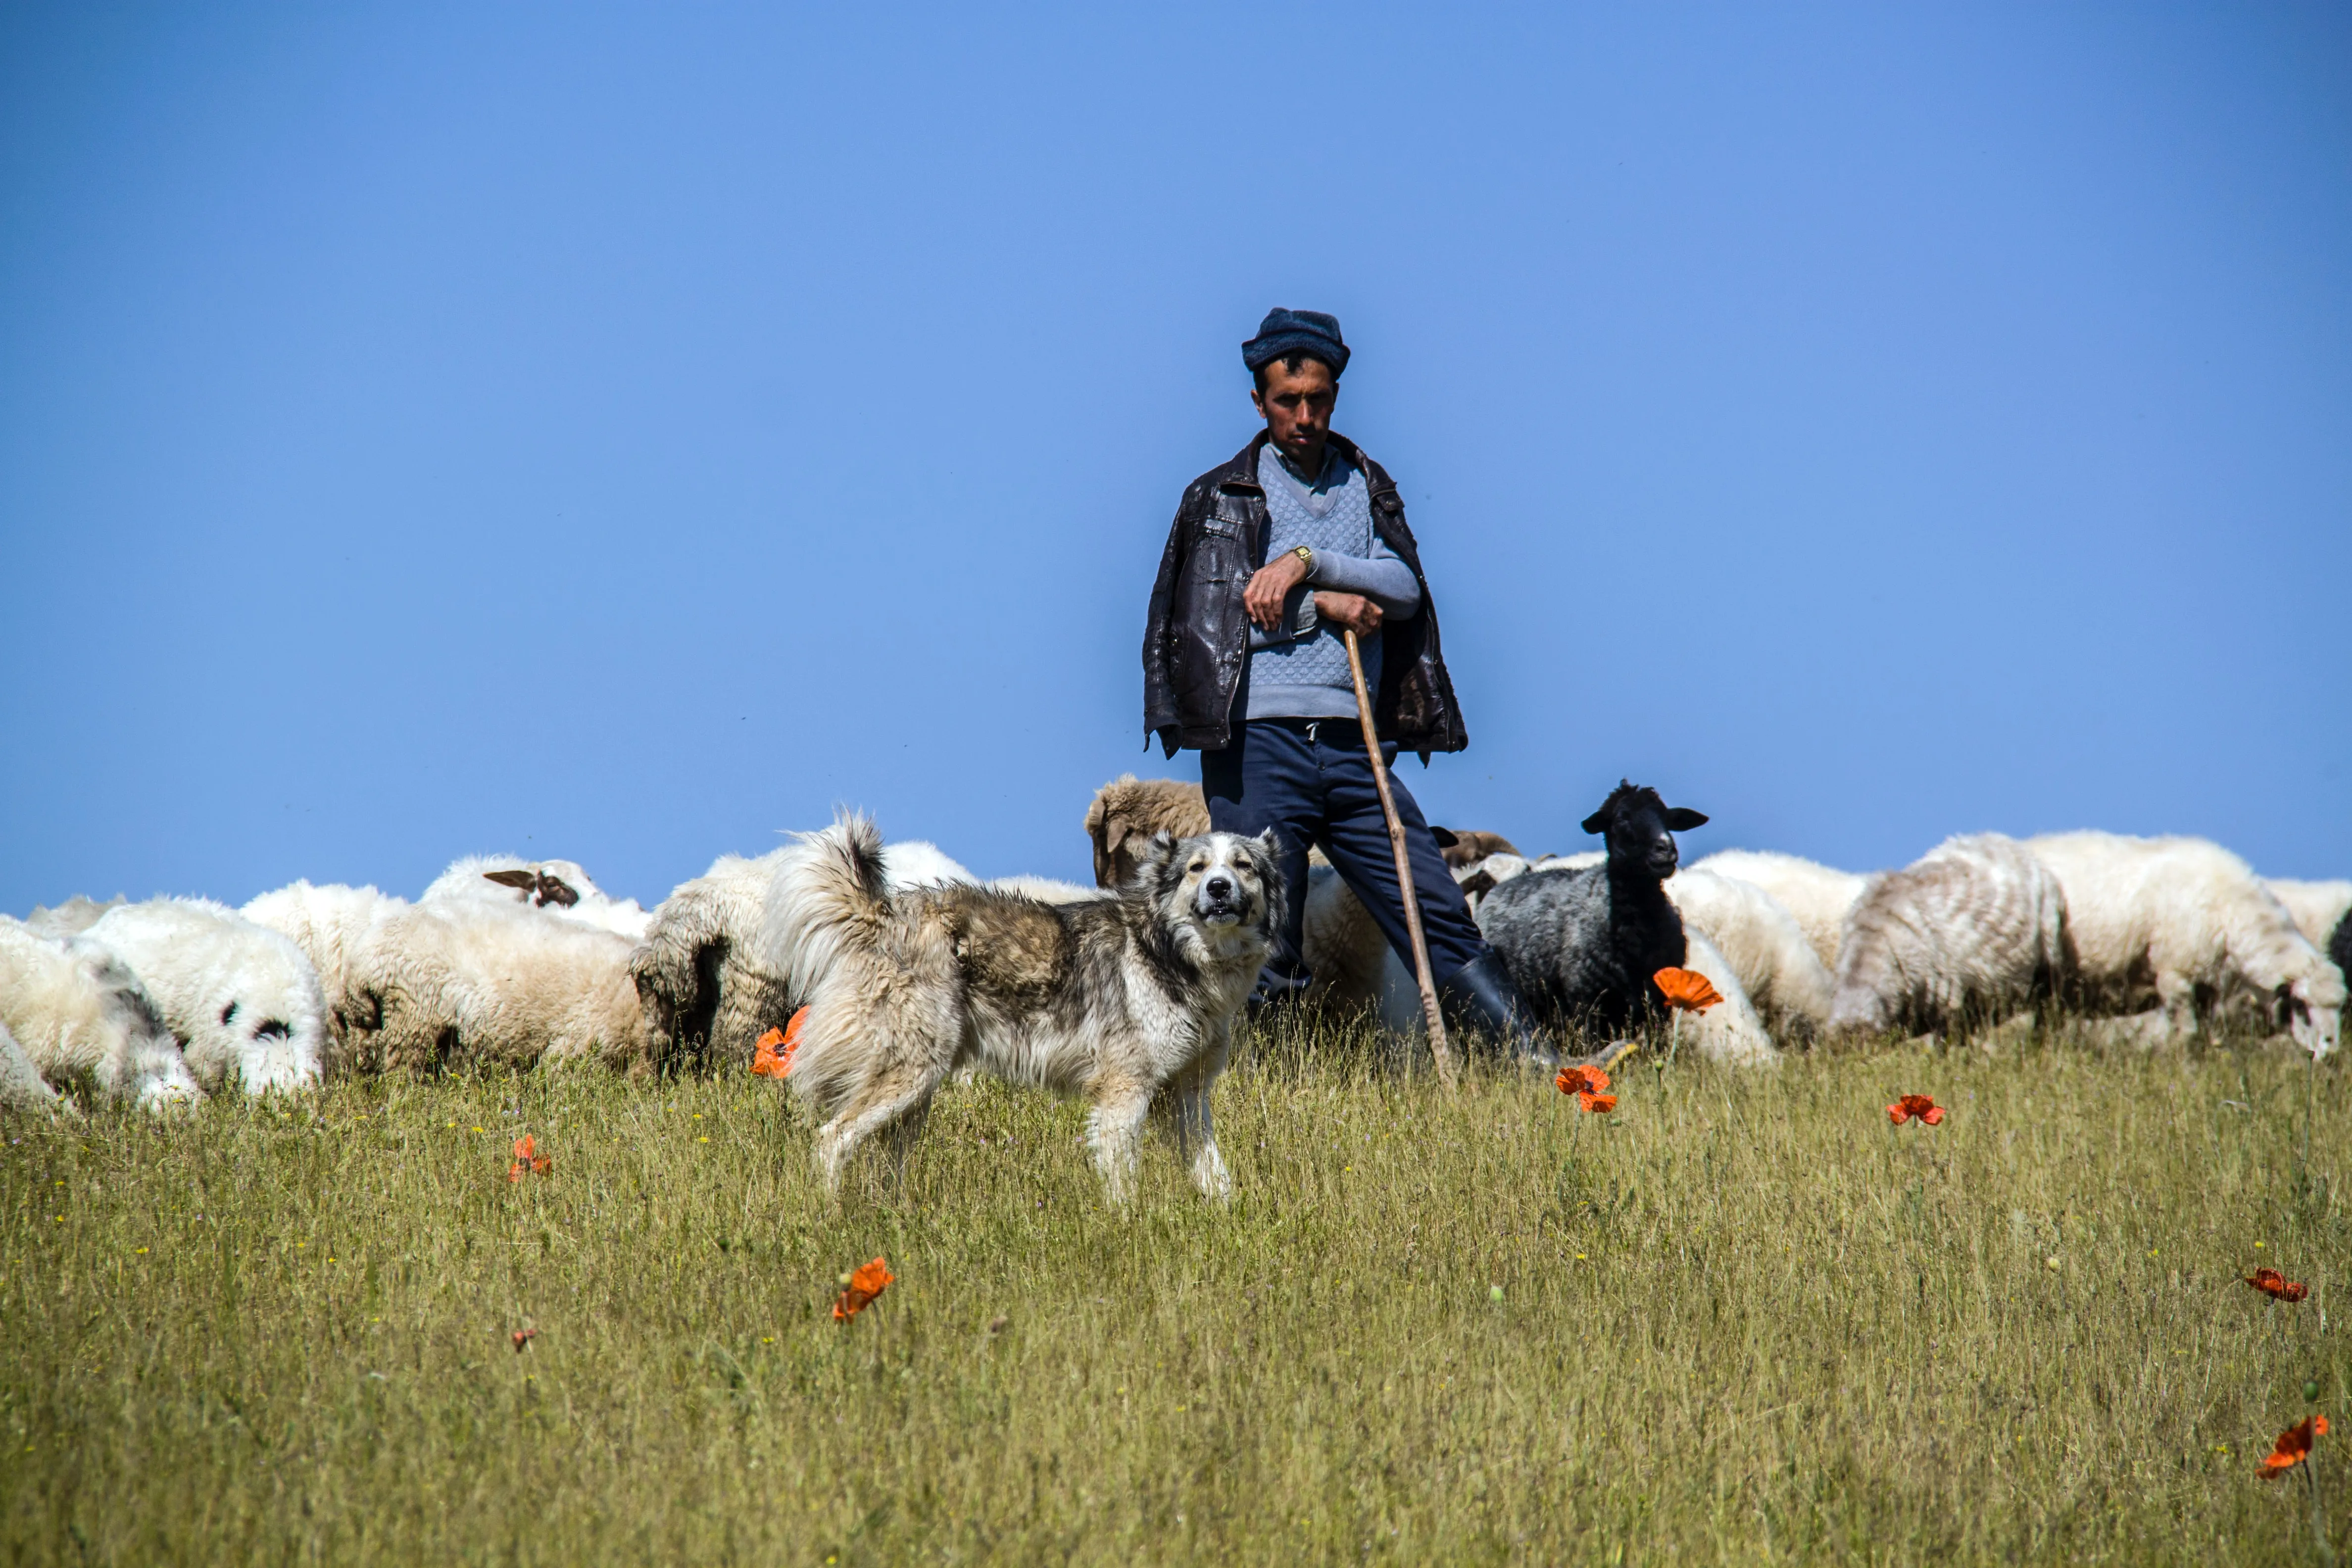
<point x="1199" y="866"/>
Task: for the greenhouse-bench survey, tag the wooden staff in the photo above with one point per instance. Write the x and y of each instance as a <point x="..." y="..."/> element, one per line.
<point x="1438" y="1049"/>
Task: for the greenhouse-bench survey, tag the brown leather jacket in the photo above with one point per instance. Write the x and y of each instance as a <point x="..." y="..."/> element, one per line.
<point x="1196" y="641"/>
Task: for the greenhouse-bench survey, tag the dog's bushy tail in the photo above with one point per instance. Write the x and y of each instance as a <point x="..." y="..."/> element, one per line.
<point x="829" y="896"/>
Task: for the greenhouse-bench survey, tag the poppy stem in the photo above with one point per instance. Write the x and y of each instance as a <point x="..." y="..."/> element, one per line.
<point x="1674" y="1032"/>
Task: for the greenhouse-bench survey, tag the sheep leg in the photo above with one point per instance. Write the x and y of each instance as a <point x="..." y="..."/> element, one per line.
<point x="2178" y="993"/>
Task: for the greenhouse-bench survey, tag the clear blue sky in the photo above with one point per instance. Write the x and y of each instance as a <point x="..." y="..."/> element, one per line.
<point x="624" y="434"/>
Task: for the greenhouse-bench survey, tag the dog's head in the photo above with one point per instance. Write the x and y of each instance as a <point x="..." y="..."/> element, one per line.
<point x="1225" y="887"/>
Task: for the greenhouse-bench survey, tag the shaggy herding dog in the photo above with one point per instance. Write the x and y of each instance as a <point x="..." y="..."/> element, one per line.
<point x="1126" y="1001"/>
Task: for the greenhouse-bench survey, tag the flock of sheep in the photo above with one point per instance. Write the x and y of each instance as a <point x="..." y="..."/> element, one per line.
<point x="504" y="963"/>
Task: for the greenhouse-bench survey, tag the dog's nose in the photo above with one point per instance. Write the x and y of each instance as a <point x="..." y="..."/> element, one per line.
<point x="1219" y="886"/>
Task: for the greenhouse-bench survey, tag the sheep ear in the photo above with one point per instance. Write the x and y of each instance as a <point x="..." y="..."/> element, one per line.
<point x="1479" y="883"/>
<point x="517" y="879"/>
<point x="1446" y="838"/>
<point x="556" y="891"/>
<point x="1682" y="819"/>
<point x="1598" y="822"/>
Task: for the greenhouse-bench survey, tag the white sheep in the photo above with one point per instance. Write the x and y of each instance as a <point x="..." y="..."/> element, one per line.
<point x="697" y="969"/>
<point x="337" y="929"/>
<point x="1818" y="896"/>
<point x="1730" y="1032"/>
<point x="22" y="1087"/>
<point x="561" y="887"/>
<point x="465" y="983"/>
<point x="2318" y="908"/>
<point x="244" y="1001"/>
<point x="81" y="1018"/>
<point x="1970" y="932"/>
<point x="1777" y="965"/>
<point x="2158" y="921"/>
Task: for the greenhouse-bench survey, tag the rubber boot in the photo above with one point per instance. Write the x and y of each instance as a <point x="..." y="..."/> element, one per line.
<point x="1480" y="1001"/>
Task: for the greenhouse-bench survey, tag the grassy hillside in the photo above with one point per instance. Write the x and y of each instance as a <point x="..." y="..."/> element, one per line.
<point x="1743" y="1318"/>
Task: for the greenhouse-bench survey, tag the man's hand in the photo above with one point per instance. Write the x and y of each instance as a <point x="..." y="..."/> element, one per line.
<point x="1353" y="610"/>
<point x="1272" y="585"/>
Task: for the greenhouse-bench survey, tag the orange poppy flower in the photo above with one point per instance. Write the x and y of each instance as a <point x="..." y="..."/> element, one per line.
<point x="523" y="1337"/>
<point x="1586" y="1083"/>
<point x="1922" y="1106"/>
<point x="2277" y="1285"/>
<point x="528" y="1159"/>
<point x="870" y="1281"/>
<point x="1687" y="989"/>
<point x="772" y="1057"/>
<point x="2294" y="1445"/>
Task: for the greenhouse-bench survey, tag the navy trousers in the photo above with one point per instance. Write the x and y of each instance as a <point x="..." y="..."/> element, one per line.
<point x="1309" y="780"/>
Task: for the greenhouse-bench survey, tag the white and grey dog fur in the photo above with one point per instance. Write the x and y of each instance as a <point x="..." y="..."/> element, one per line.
<point x="1128" y="1002"/>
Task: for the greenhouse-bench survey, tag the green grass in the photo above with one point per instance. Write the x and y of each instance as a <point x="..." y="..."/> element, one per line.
<point x="1743" y="1319"/>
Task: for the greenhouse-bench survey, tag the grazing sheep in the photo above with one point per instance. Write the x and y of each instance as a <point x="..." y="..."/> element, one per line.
<point x="2318" y="908"/>
<point x="1581" y="945"/>
<point x="242" y="1000"/>
<point x="1468" y="848"/>
<point x="1127" y="811"/>
<point x="1778" y="967"/>
<point x="22" y="1087"/>
<point x="2339" y="948"/>
<point x="1817" y="895"/>
<point x="2183" y="925"/>
<point x="558" y="887"/>
<point x="79" y="1017"/>
<point x="464" y="982"/>
<point x="696" y="969"/>
<point x="1730" y="1032"/>
<point x="1968" y="934"/>
<point x="337" y="929"/>
<point x="73" y="916"/>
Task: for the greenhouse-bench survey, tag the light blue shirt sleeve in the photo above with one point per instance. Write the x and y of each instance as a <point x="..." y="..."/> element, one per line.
<point x="1381" y="578"/>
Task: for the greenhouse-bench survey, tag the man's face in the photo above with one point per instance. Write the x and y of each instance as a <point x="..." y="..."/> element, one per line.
<point x="1296" y="405"/>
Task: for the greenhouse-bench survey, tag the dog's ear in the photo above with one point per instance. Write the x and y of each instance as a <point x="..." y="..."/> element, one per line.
<point x="515" y="879"/>
<point x="1267" y="845"/>
<point x="1682" y="819"/>
<point x="1156" y="853"/>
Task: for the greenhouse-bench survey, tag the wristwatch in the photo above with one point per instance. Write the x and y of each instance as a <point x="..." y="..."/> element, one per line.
<point x="1305" y="558"/>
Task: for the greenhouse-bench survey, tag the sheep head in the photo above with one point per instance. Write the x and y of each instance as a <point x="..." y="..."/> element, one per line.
<point x="1639" y="829"/>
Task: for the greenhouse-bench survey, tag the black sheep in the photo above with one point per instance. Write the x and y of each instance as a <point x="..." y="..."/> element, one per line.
<point x="2340" y="946"/>
<point x="1583" y="945"/>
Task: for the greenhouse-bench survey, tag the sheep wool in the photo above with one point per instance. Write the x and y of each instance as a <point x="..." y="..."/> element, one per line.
<point x="336" y="928"/>
<point x="22" y="1088"/>
<point x="2318" y="908"/>
<point x="2155" y="921"/>
<point x="1971" y="931"/>
<point x="1048" y="890"/>
<point x="1776" y="966"/>
<point x="242" y="1000"/>
<point x="1818" y="896"/>
<point x="81" y="1019"/>
<point x="1730" y="1032"/>
<point x="588" y="904"/>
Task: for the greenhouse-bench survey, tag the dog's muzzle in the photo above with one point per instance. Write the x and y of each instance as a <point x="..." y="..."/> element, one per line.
<point x="1219" y="901"/>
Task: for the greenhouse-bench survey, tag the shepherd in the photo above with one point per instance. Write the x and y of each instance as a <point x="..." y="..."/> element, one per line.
<point x="1273" y="557"/>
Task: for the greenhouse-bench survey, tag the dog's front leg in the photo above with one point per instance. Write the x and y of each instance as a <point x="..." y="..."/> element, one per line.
<point x="1114" y="1130"/>
<point x="1196" y="1128"/>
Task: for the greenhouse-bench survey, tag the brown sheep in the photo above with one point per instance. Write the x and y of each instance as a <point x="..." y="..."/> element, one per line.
<point x="1127" y="811"/>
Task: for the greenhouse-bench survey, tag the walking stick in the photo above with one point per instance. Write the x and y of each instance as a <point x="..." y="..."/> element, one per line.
<point x="1438" y="1049"/>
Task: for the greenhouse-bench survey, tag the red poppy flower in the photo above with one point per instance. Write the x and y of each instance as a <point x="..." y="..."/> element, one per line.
<point x="772" y="1057"/>
<point x="523" y="1337"/>
<point x="1687" y="989"/>
<point x="2277" y="1285"/>
<point x="1586" y="1083"/>
<point x="1922" y="1106"/>
<point x="528" y="1159"/>
<point x="870" y="1281"/>
<point x="2294" y="1445"/>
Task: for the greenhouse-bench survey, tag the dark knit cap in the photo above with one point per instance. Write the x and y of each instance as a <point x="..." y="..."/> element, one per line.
<point x="1308" y="332"/>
